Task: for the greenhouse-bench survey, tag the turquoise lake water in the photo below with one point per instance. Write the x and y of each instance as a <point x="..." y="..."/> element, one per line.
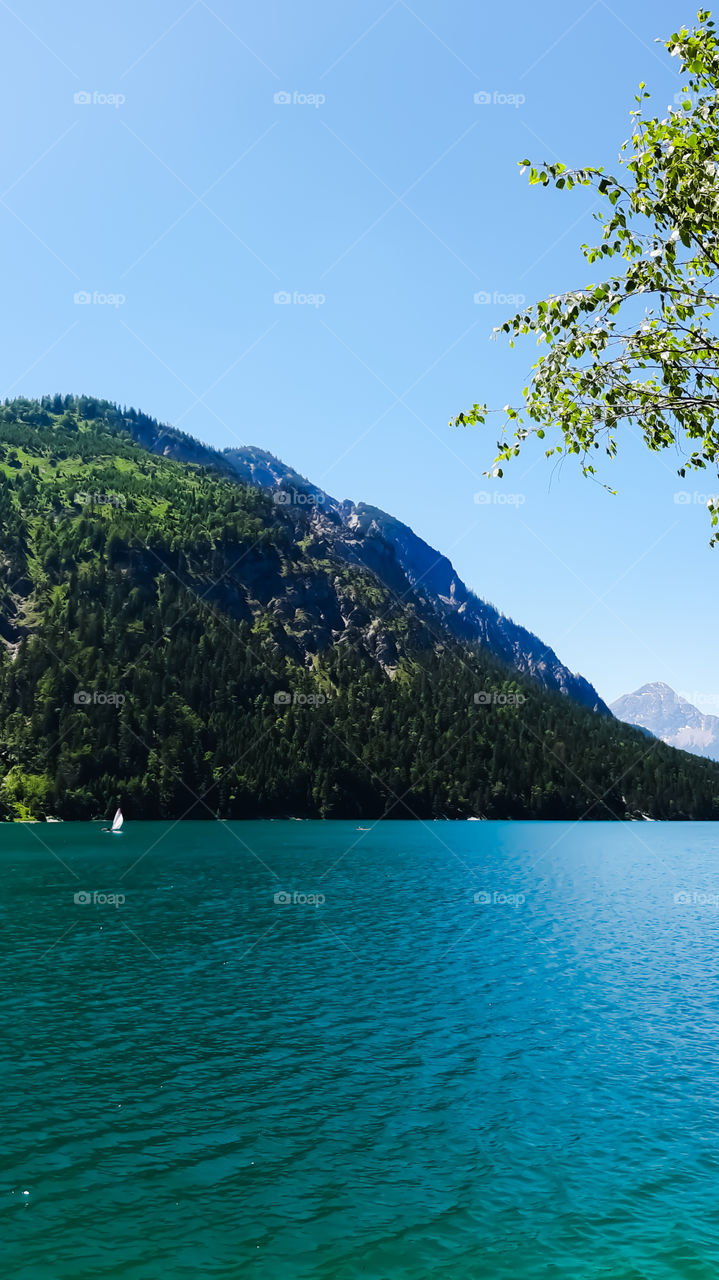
<point x="380" y="1078"/>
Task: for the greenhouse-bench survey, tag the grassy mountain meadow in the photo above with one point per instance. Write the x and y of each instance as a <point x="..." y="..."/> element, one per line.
<point x="176" y="639"/>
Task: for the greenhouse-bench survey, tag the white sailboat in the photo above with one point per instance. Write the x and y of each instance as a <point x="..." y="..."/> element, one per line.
<point x="117" y="822"/>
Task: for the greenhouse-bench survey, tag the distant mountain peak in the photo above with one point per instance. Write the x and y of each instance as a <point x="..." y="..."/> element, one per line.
<point x="668" y="716"/>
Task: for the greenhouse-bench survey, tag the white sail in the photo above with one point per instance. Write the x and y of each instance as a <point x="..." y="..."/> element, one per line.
<point x="118" y="821"/>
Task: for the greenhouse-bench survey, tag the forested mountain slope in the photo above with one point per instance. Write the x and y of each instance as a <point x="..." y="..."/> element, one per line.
<point x="180" y="640"/>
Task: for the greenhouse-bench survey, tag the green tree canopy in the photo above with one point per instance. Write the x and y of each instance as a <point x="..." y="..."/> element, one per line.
<point x="639" y="346"/>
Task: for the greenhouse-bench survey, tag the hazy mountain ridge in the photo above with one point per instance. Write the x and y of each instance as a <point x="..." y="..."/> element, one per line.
<point x="665" y="714"/>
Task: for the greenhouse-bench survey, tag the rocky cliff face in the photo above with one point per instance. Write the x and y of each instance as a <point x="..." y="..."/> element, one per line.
<point x="405" y="562"/>
<point x="666" y="715"/>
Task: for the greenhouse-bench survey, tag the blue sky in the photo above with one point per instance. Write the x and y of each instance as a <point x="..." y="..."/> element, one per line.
<point x="381" y="198"/>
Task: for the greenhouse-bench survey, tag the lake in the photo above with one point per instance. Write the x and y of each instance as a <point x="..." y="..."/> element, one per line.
<point x="283" y="1050"/>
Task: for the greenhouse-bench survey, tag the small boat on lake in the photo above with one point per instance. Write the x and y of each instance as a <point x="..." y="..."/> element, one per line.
<point x="116" y="828"/>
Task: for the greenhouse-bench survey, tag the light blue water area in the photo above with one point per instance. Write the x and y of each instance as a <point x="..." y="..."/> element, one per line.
<point x="380" y="1078"/>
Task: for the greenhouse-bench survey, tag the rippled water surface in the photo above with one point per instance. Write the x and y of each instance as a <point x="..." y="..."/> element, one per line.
<point x="396" y="1082"/>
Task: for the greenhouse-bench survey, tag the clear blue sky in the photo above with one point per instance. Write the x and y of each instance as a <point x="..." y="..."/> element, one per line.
<point x="396" y="199"/>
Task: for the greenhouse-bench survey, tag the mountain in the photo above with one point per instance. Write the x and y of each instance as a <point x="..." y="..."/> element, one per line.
<point x="671" y="718"/>
<point x="201" y="633"/>
<point x="364" y="535"/>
